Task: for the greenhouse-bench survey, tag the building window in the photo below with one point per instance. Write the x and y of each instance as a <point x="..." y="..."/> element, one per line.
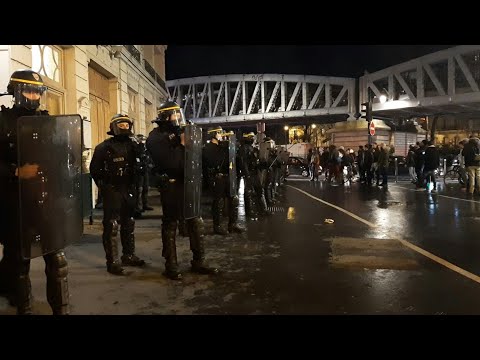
<point x="47" y="60"/>
<point x="133" y="112"/>
<point x="149" y="116"/>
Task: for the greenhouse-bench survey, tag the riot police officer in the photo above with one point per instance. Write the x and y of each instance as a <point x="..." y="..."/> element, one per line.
<point x="260" y="184"/>
<point x="247" y="163"/>
<point x="216" y="160"/>
<point x="113" y="170"/>
<point x="166" y="144"/>
<point x="269" y="166"/>
<point x="141" y="175"/>
<point x="28" y="91"/>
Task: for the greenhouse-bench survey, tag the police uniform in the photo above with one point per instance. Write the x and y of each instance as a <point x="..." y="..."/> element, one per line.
<point x="260" y="180"/>
<point x="113" y="170"/>
<point x="141" y="175"/>
<point x="216" y="161"/>
<point x="168" y="156"/>
<point x="247" y="163"/>
<point x="26" y="87"/>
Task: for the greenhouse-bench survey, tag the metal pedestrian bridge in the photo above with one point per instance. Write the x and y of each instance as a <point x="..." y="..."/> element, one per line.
<point x="442" y="83"/>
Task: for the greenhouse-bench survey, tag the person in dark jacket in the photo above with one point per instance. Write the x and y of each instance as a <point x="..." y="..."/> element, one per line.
<point x="411" y="163"/>
<point x="419" y="164"/>
<point x="28" y="92"/>
<point x="470" y="152"/>
<point x="166" y="145"/>
<point x="368" y="163"/>
<point x="113" y="168"/>
<point x="432" y="162"/>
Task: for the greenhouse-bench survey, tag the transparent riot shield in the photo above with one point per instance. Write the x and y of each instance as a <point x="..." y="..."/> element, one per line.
<point x="51" y="197"/>
<point x="232" y="166"/>
<point x="193" y="171"/>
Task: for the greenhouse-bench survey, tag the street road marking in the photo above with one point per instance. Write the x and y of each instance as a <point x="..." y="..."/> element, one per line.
<point x="437" y="194"/>
<point x="336" y="207"/>
<point x="441" y="261"/>
<point x="419" y="250"/>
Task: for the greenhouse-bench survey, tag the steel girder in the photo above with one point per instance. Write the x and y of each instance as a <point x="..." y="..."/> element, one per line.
<point x="258" y="97"/>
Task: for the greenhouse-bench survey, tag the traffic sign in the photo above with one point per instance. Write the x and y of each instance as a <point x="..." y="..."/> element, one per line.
<point x="371" y="128"/>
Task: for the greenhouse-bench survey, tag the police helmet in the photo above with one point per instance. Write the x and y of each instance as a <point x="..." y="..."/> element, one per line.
<point x="170" y="112"/>
<point x="270" y="143"/>
<point x="215" y="132"/>
<point x="27" y="88"/>
<point x="249" y="135"/>
<point x="121" y="125"/>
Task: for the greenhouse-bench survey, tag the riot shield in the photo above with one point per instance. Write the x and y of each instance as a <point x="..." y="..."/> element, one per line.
<point x="232" y="166"/>
<point x="50" y="201"/>
<point x="193" y="171"/>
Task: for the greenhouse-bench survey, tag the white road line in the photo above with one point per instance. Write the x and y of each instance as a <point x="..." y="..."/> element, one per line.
<point x="441" y="261"/>
<point x="419" y="250"/>
<point x="437" y="194"/>
<point x="335" y="207"/>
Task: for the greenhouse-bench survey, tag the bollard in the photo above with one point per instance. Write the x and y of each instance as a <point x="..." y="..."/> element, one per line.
<point x="396" y="170"/>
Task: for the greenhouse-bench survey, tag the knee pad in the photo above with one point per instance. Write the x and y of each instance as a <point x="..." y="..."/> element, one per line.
<point x="111" y="226"/>
<point x="57" y="264"/>
<point x="196" y="225"/>
<point x="129" y="225"/>
<point x="114" y="226"/>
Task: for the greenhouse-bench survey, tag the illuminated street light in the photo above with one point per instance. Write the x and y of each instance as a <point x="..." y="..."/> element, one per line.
<point x="383" y="98"/>
<point x="286" y="134"/>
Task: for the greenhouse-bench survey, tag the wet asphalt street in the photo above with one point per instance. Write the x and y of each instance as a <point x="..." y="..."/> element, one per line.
<point x="389" y="251"/>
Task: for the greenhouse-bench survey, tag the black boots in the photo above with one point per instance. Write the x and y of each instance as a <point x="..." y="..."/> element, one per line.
<point x="128" y="245"/>
<point x="169" y="252"/>
<point x="110" y="245"/>
<point x="23" y="299"/>
<point x="56" y="269"/>
<point x="132" y="260"/>
<point x="195" y="231"/>
<point x="233" y="226"/>
<point x="218" y="207"/>
<point x="195" y="228"/>
<point x="115" y="268"/>
<point x="199" y="267"/>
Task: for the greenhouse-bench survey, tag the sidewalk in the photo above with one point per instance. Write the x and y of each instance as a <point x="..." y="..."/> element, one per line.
<point x="145" y="290"/>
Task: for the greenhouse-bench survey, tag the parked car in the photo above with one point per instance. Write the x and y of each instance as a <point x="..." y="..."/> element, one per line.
<point x="401" y="163"/>
<point x="297" y="166"/>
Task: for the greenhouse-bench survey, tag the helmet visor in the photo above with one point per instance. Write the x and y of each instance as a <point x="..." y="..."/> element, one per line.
<point x="177" y="118"/>
<point x="30" y="96"/>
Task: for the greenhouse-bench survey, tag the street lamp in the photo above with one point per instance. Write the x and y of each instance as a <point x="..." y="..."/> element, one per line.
<point x="383" y="96"/>
<point x="286" y="134"/>
<point x="314" y="126"/>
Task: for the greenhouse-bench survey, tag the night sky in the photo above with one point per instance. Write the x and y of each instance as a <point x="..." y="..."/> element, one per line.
<point x="328" y="60"/>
